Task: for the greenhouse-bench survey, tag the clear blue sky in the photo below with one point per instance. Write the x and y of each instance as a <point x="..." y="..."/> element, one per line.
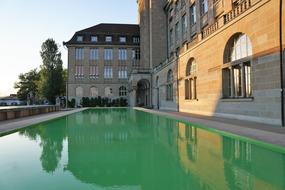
<point x="25" y="24"/>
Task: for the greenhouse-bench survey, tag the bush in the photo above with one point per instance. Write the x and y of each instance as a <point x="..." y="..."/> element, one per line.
<point x="85" y="102"/>
<point x="101" y="102"/>
<point x="71" y="104"/>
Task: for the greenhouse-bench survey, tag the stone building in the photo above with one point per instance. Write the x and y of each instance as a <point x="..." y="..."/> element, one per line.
<point x="100" y="60"/>
<point x="210" y="57"/>
<point x="224" y="57"/>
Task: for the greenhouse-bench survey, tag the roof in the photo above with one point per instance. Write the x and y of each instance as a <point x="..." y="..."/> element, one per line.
<point x="105" y="29"/>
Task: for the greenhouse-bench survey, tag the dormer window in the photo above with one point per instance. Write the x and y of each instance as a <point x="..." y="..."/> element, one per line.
<point x="79" y="39"/>
<point x="94" y="38"/>
<point x="108" y="39"/>
<point x="123" y="39"/>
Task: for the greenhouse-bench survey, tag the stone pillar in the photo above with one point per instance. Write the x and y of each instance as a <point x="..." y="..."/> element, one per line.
<point x="232" y="81"/>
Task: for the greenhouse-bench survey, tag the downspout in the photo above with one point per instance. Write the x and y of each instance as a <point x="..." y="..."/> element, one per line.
<point x="281" y="63"/>
<point x="177" y="83"/>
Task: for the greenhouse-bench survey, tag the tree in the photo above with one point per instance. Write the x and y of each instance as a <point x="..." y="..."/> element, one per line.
<point x="28" y="83"/>
<point x="52" y="81"/>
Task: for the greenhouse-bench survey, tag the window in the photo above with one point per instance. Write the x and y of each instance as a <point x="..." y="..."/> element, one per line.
<point x="108" y="54"/>
<point x="204" y="7"/>
<point x="108" y="39"/>
<point x="79" y="38"/>
<point x="123" y="54"/>
<point x="123" y="72"/>
<point x="177" y="32"/>
<point x="183" y="3"/>
<point x="123" y="39"/>
<point x="169" y="86"/>
<point x="184" y="27"/>
<point x="237" y="69"/>
<point x="191" y="80"/>
<point x="94" y="92"/>
<point x="94" y="38"/>
<point x="108" y="72"/>
<point x="94" y="71"/>
<point x="177" y="6"/>
<point x="94" y="54"/>
<point x="79" y="91"/>
<point x="122" y="91"/>
<point x="108" y="91"/>
<point x="193" y="18"/>
<point x="79" y="54"/>
<point x="171" y="37"/>
<point x="79" y="71"/>
<point x="136" y="54"/>
<point x="136" y="40"/>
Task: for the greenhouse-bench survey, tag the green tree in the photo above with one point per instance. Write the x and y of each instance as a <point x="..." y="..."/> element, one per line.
<point x="28" y="83"/>
<point x="52" y="82"/>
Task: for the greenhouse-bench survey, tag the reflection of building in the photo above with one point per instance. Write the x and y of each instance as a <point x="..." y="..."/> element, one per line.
<point x="100" y="59"/>
<point x="225" y="163"/>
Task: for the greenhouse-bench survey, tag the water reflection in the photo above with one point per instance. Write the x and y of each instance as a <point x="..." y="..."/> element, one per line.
<point x="51" y="138"/>
<point x="127" y="148"/>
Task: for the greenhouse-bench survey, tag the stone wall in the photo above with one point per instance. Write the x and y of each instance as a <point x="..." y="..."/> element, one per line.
<point x="209" y="54"/>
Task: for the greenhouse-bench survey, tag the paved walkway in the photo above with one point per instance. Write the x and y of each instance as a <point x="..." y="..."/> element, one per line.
<point x="266" y="133"/>
<point x="15" y="124"/>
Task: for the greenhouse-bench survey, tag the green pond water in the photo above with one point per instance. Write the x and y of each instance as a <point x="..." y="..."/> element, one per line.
<point x="126" y="149"/>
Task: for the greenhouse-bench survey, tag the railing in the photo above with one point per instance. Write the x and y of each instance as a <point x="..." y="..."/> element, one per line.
<point x="210" y="30"/>
<point x="235" y="12"/>
<point x="238" y="10"/>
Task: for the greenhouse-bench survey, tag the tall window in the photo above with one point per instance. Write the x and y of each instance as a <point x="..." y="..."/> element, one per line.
<point x="184" y="27"/>
<point x="108" y="91"/>
<point x="177" y="32"/>
<point x="191" y="80"/>
<point x="79" y="91"/>
<point x="79" y="53"/>
<point x="94" y="92"/>
<point x="169" y="86"/>
<point x="123" y="54"/>
<point x="94" y="71"/>
<point x="171" y="38"/>
<point x="79" y="71"/>
<point x="237" y="68"/>
<point x="122" y="91"/>
<point x="108" y="54"/>
<point x="193" y="18"/>
<point x="108" y="72"/>
<point x="123" y="72"/>
<point x="204" y="7"/>
<point x="94" y="54"/>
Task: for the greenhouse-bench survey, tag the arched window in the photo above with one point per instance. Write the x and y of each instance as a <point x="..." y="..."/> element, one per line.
<point x="122" y="91"/>
<point x="94" y="92"/>
<point x="237" y="67"/>
<point x="169" y="86"/>
<point x="191" y="80"/>
<point x="79" y="91"/>
<point x="108" y="91"/>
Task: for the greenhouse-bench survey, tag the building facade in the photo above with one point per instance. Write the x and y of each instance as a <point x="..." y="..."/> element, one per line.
<point x="100" y="60"/>
<point x="223" y="59"/>
<point x="210" y="57"/>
